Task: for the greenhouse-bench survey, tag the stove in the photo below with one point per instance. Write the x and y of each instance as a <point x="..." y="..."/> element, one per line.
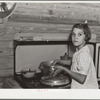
<point x="29" y="54"/>
<point x="35" y="83"/>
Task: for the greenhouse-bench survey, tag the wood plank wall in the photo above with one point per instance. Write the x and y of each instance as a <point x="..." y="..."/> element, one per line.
<point x="42" y="18"/>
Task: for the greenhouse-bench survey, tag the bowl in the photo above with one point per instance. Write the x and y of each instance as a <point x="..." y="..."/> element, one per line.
<point x="28" y="73"/>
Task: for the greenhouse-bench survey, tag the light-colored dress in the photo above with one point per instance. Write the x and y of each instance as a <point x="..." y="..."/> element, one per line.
<point x="82" y="63"/>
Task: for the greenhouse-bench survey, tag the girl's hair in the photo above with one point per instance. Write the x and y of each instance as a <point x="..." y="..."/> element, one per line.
<point x="85" y="29"/>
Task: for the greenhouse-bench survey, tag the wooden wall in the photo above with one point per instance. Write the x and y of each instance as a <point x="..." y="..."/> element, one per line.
<point x="49" y="18"/>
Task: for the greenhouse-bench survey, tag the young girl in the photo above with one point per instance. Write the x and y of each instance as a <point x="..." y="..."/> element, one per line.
<point x="82" y="71"/>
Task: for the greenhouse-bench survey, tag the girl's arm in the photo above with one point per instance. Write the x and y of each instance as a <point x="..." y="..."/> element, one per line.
<point x="76" y="76"/>
<point x="65" y="62"/>
<point x="62" y="62"/>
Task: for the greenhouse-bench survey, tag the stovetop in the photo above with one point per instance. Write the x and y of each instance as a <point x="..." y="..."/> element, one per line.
<point x="35" y="82"/>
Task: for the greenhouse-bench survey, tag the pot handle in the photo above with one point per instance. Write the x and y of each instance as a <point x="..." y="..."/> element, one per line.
<point x="41" y="66"/>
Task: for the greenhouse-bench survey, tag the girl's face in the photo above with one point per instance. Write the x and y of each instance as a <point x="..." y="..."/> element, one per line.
<point x="78" y="38"/>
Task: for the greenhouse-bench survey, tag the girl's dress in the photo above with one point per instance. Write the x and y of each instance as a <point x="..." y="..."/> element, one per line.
<point x="82" y="63"/>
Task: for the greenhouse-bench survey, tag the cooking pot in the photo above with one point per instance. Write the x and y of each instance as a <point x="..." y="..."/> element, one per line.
<point x="28" y="73"/>
<point x="46" y="68"/>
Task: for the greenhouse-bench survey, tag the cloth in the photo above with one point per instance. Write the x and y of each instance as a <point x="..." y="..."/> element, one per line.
<point x="82" y="63"/>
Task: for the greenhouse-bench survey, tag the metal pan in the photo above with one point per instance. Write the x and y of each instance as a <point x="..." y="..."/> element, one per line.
<point x="56" y="81"/>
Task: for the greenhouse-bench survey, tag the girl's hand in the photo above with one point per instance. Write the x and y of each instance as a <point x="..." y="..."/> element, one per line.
<point x="58" y="69"/>
<point x="56" y="72"/>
